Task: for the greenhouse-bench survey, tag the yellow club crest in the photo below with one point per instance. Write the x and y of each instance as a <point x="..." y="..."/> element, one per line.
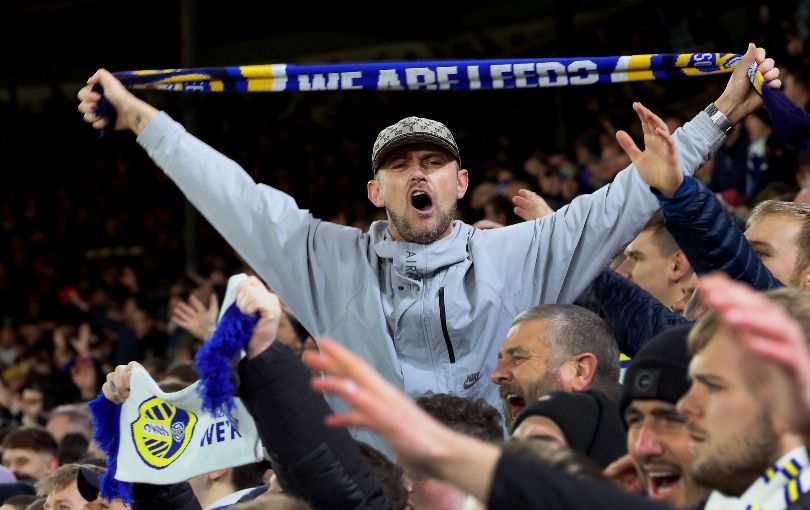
<point x="162" y="432"/>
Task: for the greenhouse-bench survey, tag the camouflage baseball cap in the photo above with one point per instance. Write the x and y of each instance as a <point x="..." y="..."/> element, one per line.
<point x="408" y="131"/>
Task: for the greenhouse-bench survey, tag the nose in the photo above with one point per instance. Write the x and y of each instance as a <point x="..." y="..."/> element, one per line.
<point x="625" y="269"/>
<point x="647" y="444"/>
<point x="418" y="173"/>
<point x="501" y="374"/>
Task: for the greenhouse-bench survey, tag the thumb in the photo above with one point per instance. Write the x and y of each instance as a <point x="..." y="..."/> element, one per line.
<point x="95" y="78"/>
<point x="628" y="145"/>
<point x="748" y="58"/>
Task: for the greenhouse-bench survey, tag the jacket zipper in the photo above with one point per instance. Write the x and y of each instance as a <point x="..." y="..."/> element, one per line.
<point x="443" y="317"/>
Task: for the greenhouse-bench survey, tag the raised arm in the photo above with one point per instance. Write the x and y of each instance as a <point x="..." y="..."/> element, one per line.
<point x="710" y="238"/>
<point x="294" y="252"/>
<point x="703" y="230"/>
<point x="609" y="218"/>
<point x="633" y="314"/>
<point x="566" y="250"/>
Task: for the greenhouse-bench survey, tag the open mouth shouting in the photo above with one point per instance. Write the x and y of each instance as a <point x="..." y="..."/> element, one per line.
<point x="515" y="404"/>
<point x="662" y="483"/>
<point x="422" y="202"/>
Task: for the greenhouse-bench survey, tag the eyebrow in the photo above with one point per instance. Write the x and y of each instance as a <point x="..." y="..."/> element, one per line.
<point x="709" y="379"/>
<point x="757" y="242"/>
<point x="665" y="412"/>
<point x="658" y="409"/>
<point x="631" y="411"/>
<point x="517" y="351"/>
<point x="513" y="351"/>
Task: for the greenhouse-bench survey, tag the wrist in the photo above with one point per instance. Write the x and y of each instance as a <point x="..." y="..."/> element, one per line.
<point x="251" y="351"/>
<point x="670" y="191"/>
<point x="138" y="115"/>
<point x="728" y="108"/>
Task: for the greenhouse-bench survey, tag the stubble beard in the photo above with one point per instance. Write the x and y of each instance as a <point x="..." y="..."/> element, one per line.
<point x="413" y="234"/>
<point x="736" y="463"/>
<point x="550" y="382"/>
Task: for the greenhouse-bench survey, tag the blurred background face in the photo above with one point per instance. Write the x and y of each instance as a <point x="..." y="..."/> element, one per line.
<point x="534" y="427"/>
<point x="434" y="494"/>
<point x="103" y="504"/>
<point x="28" y="464"/>
<point x="67" y="498"/>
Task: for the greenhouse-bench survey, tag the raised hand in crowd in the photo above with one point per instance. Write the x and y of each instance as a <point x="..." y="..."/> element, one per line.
<point x="253" y="297"/>
<point x="61" y="354"/>
<point x="658" y="162"/>
<point x="195" y="317"/>
<point x="530" y="206"/>
<point x="778" y="369"/>
<point x="420" y="442"/>
<point x="81" y="343"/>
<point x="75" y="299"/>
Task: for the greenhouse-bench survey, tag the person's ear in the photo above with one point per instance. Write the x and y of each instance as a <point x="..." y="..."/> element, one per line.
<point x="53" y="464"/>
<point x="679" y="266"/>
<point x="804" y="279"/>
<point x="462" y="181"/>
<point x="585" y="365"/>
<point x="374" y="189"/>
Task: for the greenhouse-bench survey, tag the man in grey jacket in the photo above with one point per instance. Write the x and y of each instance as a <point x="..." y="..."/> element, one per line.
<point x="425" y="298"/>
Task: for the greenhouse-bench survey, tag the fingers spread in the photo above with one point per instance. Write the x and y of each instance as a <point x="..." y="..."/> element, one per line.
<point x="643" y="114"/>
<point x="523" y="214"/>
<point x="196" y="303"/>
<point x="628" y="145"/>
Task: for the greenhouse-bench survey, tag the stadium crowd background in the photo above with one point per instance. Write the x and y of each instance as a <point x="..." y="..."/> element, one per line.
<point x="91" y="233"/>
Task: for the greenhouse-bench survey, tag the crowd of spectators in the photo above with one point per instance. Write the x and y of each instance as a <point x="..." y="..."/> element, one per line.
<point x="95" y="240"/>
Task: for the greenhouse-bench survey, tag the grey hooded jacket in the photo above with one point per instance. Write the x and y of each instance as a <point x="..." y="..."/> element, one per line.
<point x="427" y="316"/>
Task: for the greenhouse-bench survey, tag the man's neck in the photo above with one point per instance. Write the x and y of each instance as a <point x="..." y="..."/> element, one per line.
<point x="789" y="443"/>
<point x="214" y="493"/>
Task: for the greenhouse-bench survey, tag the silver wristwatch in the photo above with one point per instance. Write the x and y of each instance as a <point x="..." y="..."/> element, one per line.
<point x="719" y="119"/>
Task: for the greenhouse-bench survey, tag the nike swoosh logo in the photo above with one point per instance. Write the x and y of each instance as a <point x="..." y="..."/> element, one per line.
<point x="471" y="380"/>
